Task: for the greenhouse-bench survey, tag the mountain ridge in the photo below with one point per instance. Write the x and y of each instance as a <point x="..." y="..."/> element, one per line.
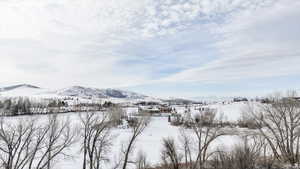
<point x="18" y="86"/>
<point x="76" y="91"/>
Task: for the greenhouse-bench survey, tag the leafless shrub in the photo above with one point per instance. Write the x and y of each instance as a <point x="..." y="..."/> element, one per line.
<point x="244" y="156"/>
<point x="247" y="121"/>
<point x="247" y="155"/>
<point x="206" y="132"/>
<point x="141" y="161"/>
<point x="116" y="114"/>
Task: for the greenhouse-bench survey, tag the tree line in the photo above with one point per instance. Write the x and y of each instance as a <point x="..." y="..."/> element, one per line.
<point x="24" y="106"/>
<point x="17" y="106"/>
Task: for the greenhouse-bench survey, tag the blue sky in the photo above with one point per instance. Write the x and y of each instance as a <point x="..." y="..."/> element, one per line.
<point x="180" y="48"/>
<point x="248" y="87"/>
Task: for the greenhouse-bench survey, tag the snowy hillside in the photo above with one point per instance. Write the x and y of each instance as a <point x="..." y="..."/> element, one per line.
<point x="80" y="91"/>
<point x="231" y="112"/>
<point x="86" y="92"/>
<point x="18" y="86"/>
<point x="21" y="90"/>
<point x="73" y="91"/>
<point x="211" y="99"/>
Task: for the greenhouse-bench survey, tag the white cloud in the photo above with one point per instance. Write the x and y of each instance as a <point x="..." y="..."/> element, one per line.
<point x="67" y="42"/>
<point x="252" y="43"/>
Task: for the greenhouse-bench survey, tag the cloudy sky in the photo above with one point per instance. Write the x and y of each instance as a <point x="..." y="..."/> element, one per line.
<point x="157" y="47"/>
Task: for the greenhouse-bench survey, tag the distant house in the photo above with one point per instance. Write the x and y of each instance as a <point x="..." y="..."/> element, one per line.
<point x="165" y="109"/>
<point x="293" y="98"/>
<point x="264" y="100"/>
<point x="154" y="109"/>
<point x="240" y="99"/>
<point x="147" y="103"/>
<point x="204" y="109"/>
<point x="148" y="110"/>
<point x="296" y="98"/>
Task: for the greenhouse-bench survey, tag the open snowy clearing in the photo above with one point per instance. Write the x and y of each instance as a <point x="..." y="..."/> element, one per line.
<point x="149" y="142"/>
<point x="230" y="112"/>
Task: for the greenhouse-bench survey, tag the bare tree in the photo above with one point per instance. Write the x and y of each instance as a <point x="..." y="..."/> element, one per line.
<point x="59" y="136"/>
<point x="29" y="144"/>
<point x="170" y="155"/>
<point x="279" y="124"/>
<point x="15" y="143"/>
<point x="97" y="140"/>
<point x="206" y="131"/>
<point x="137" y="129"/>
<point x="186" y="146"/>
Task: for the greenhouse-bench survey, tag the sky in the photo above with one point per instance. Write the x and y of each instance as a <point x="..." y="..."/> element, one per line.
<point x="178" y="48"/>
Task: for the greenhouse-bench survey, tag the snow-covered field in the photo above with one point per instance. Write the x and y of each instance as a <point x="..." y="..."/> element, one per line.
<point x="151" y="139"/>
<point x="149" y="142"/>
<point x="230" y="112"/>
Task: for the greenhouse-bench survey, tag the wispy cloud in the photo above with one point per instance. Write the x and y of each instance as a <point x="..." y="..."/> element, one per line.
<point x="252" y="43"/>
<point x="147" y="42"/>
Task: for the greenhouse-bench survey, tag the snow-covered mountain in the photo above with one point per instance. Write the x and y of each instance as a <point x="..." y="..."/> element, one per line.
<point x="123" y="94"/>
<point x="20" y="90"/>
<point x="18" y="86"/>
<point x="80" y="91"/>
<point x="76" y="91"/>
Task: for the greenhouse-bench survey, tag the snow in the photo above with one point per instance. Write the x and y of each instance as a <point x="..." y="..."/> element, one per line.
<point x="87" y="92"/>
<point x="231" y="112"/>
<point x="149" y="142"/>
<point x="77" y="92"/>
<point x="131" y="110"/>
